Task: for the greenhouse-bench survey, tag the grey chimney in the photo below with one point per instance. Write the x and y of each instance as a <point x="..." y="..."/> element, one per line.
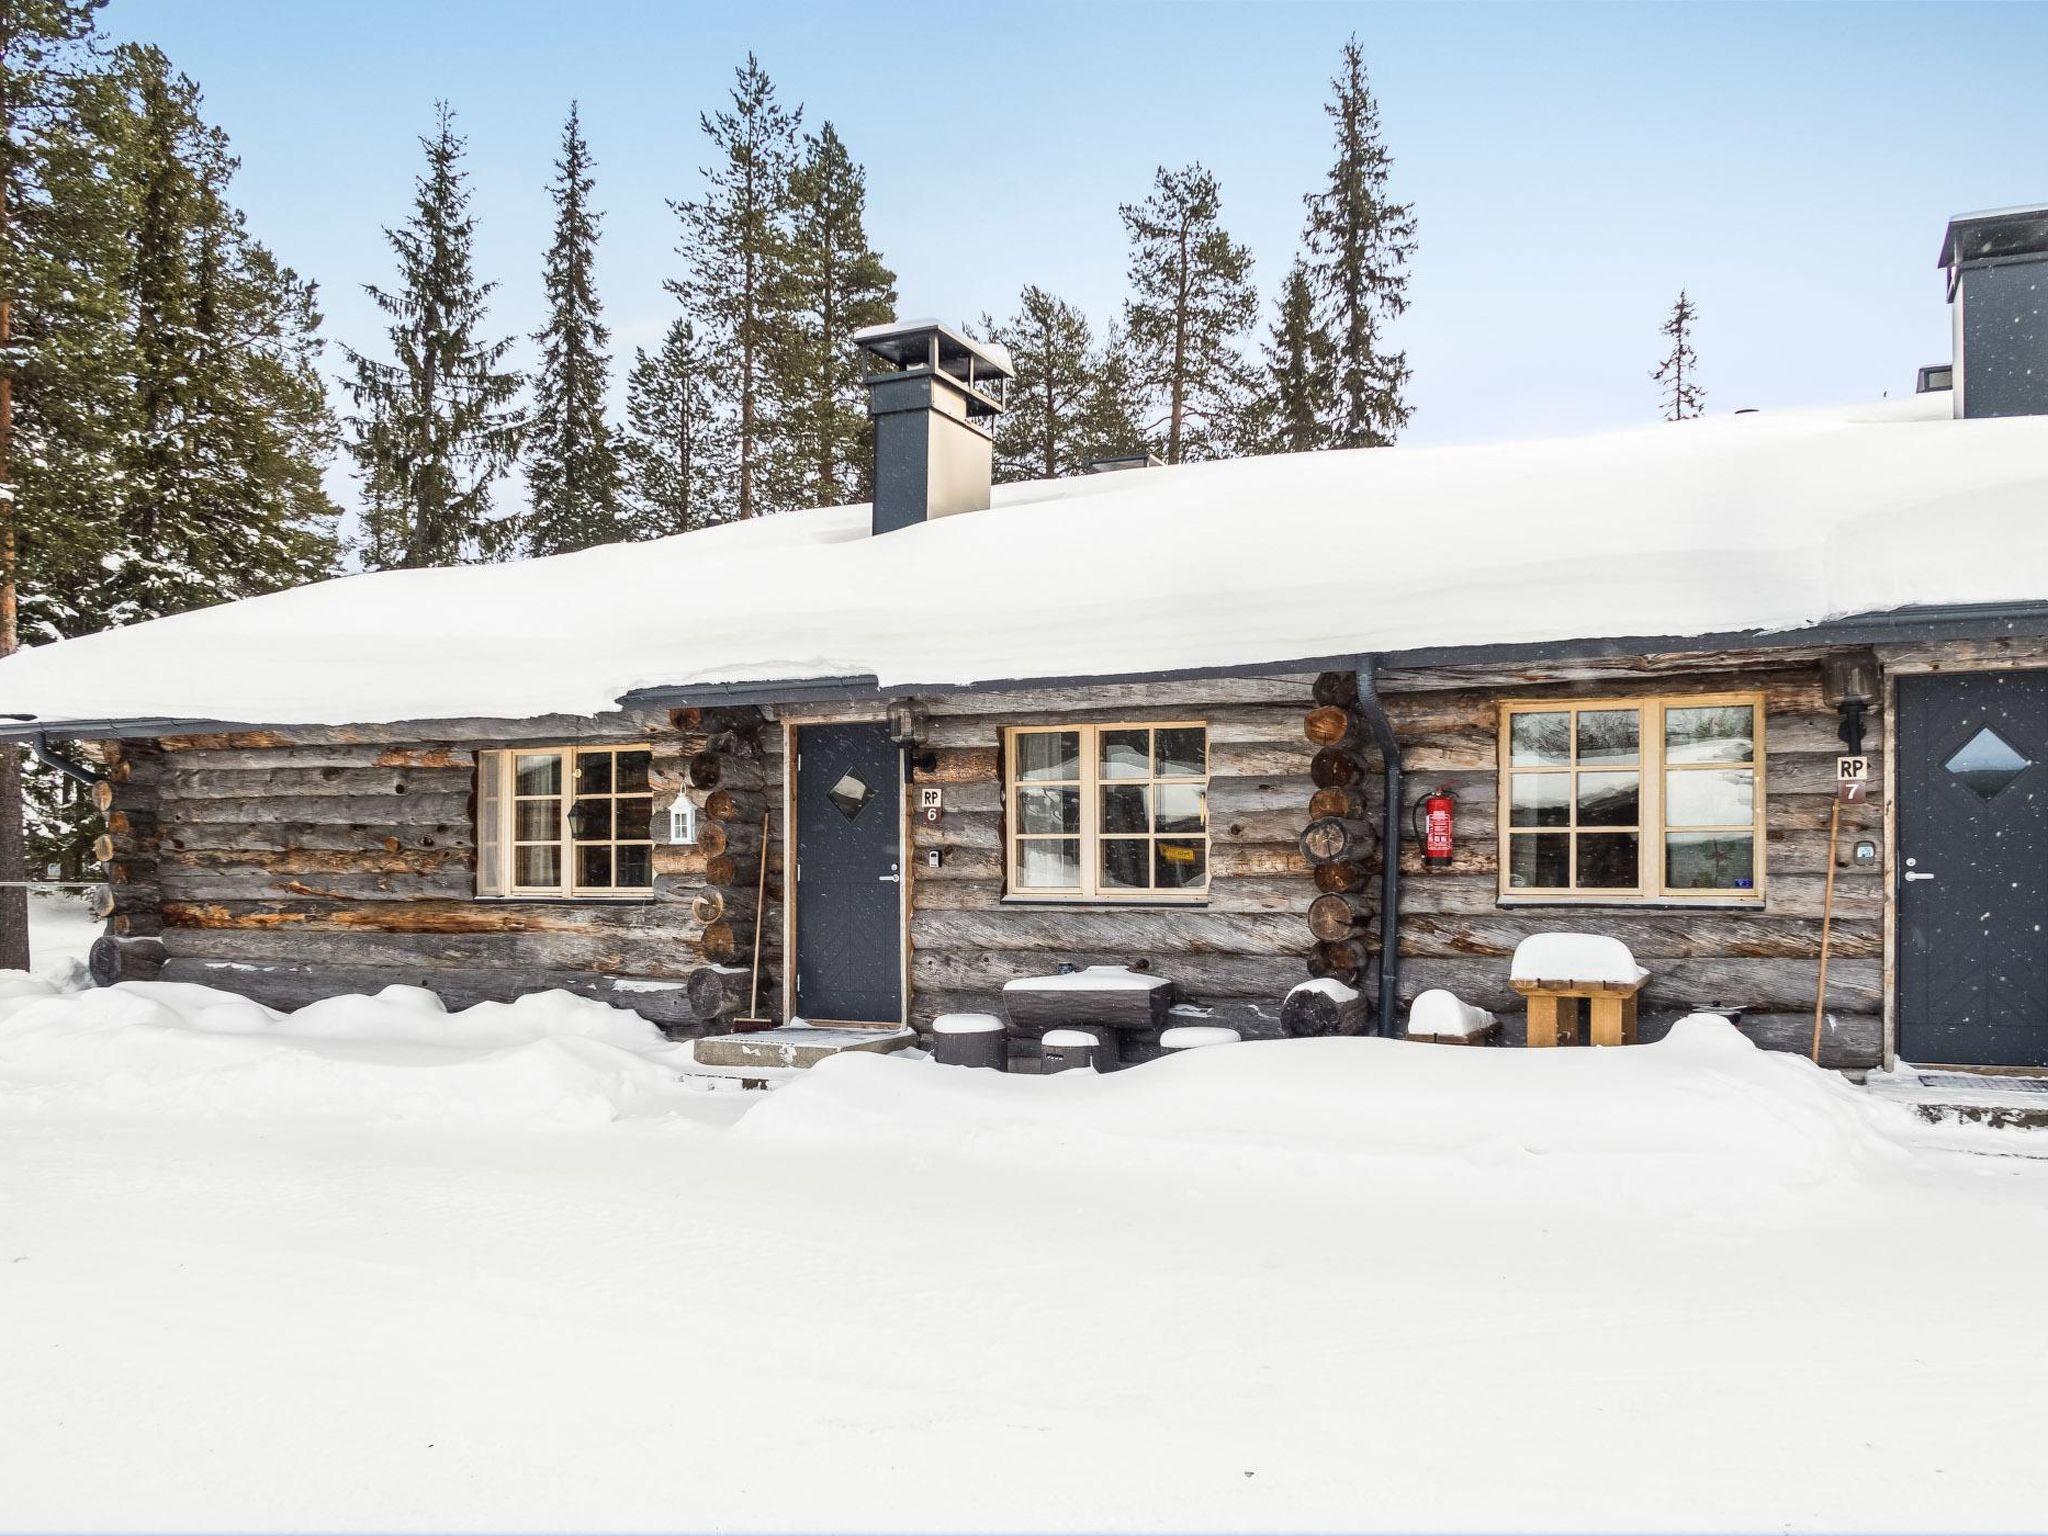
<point x="1997" y="264"/>
<point x="933" y="410"/>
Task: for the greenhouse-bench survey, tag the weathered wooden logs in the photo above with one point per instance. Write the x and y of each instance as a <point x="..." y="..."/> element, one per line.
<point x="1070" y="1000"/>
<point x="715" y="991"/>
<point x="1332" y="725"/>
<point x="1332" y="837"/>
<point x="1342" y="961"/>
<point x="1335" y="768"/>
<point x="1340" y="688"/>
<point x="1346" y="803"/>
<point x="1333" y="917"/>
<point x="1338" y="875"/>
<point x="114" y="960"/>
<point x="721" y="770"/>
<point x="734" y="837"/>
<point x="1312" y="1011"/>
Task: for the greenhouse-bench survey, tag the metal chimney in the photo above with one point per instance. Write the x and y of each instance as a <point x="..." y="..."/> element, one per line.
<point x="932" y="409"/>
<point x="1997" y="264"/>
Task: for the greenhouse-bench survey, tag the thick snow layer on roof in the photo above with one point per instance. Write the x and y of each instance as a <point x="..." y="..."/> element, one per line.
<point x="1730" y="523"/>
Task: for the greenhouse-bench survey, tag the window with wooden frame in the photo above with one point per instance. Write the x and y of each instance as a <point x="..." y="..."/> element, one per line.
<point x="1108" y="812"/>
<point x="1653" y="799"/>
<point x="565" y="821"/>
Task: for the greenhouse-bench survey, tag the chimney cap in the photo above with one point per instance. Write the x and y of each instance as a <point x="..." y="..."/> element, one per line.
<point x="1994" y="233"/>
<point x="933" y="344"/>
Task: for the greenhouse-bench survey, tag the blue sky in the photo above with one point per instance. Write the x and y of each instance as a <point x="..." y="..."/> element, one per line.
<point x="1572" y="166"/>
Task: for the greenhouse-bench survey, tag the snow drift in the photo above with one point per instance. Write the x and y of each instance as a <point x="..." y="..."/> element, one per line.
<point x="1702" y="1108"/>
<point x="184" y="1049"/>
<point x="1765" y="520"/>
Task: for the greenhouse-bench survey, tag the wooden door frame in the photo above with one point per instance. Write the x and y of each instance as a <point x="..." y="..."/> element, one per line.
<point x="1916" y="666"/>
<point x="793" y="721"/>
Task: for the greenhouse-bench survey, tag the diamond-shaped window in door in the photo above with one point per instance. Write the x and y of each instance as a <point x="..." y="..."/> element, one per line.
<point x="1987" y="763"/>
<point x="850" y="796"/>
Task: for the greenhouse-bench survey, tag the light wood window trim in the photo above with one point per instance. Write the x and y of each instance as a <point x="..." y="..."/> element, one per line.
<point x="1091" y="890"/>
<point x="1651" y="830"/>
<point x="501" y="761"/>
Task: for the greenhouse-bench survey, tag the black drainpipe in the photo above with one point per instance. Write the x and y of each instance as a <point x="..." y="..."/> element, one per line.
<point x="39" y="748"/>
<point x="1375" y="714"/>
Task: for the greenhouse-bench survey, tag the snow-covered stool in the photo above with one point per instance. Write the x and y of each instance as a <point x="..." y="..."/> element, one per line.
<point x="970" y="1040"/>
<point x="1192" y="1037"/>
<point x="1066" y="1049"/>
<point x="1563" y="974"/>
<point x="1438" y="1017"/>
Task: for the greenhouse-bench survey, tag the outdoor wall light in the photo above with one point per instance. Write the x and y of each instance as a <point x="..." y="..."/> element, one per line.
<point x="1849" y="680"/>
<point x="910" y="723"/>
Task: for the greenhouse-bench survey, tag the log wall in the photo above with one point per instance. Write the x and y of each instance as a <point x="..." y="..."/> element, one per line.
<point x="1233" y="958"/>
<point x="289" y="866"/>
<point x="1456" y="933"/>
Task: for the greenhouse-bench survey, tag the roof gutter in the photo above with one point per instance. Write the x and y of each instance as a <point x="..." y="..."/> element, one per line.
<point x="1375" y="712"/>
<point x="39" y="748"/>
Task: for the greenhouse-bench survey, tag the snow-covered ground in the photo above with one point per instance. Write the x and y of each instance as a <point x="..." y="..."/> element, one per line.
<point x="60" y="932"/>
<point x="376" y="1266"/>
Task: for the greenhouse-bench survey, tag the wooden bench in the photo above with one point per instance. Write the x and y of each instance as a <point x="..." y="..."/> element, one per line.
<point x="1555" y="1007"/>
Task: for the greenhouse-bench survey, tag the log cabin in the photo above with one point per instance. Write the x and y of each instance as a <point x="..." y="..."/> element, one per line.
<point x="1180" y="721"/>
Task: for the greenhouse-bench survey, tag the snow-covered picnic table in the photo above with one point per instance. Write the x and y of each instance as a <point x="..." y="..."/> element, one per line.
<point x="1556" y="972"/>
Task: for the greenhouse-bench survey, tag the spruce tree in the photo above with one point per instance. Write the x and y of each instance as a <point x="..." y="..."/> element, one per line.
<point x="735" y="243"/>
<point x="836" y="284"/>
<point x="1299" y="398"/>
<point x="1045" y="432"/>
<point x="1359" y="244"/>
<point x="221" y="469"/>
<point x="1111" y="421"/>
<point x="677" y="450"/>
<point x="1682" y="399"/>
<point x="60" y="351"/>
<point x="572" y="460"/>
<point x="1191" y="302"/>
<point x="436" y="426"/>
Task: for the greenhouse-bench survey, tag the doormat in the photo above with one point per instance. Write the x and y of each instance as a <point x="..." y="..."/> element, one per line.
<point x="1982" y="1081"/>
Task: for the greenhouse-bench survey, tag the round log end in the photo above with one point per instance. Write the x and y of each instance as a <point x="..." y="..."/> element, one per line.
<point x="1328" y="725"/>
<point x="708" y="906"/>
<point x="1334" y="768"/>
<point x="706" y="769"/>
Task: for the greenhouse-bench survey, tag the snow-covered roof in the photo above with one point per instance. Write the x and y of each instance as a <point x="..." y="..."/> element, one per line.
<point x="1753" y="521"/>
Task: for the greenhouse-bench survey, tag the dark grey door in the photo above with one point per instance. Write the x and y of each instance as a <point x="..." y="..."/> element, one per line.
<point x="849" y="874"/>
<point x="1973" y="869"/>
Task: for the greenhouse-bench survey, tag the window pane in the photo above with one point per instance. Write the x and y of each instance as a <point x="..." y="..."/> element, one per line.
<point x="1537" y="740"/>
<point x="1608" y="736"/>
<point x="1540" y="861"/>
<point x="593" y="773"/>
<point x="1710" y="797"/>
<point x="1049" y="810"/>
<point x="1051" y="864"/>
<point x="635" y="866"/>
<point x="538" y="864"/>
<point x="1048" y="755"/>
<point x="632" y="771"/>
<point x="490" y="843"/>
<point x="1126" y="808"/>
<point x="1182" y="753"/>
<point x="1179" y="863"/>
<point x="1124" y="862"/>
<point x="1541" y="800"/>
<point x="1181" y="807"/>
<point x="1608" y="800"/>
<point x="594" y="866"/>
<point x="1709" y="861"/>
<point x="635" y="818"/>
<point x="1721" y="733"/>
<point x="1126" y="754"/>
<point x="539" y="773"/>
<point x="536" y="820"/>
<point x="1608" y="861"/>
<point x="591" y="819"/>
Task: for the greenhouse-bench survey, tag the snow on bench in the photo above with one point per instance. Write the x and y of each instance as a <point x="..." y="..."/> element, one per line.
<point x="1105" y="995"/>
<point x="1438" y="1015"/>
<point x="1582" y="959"/>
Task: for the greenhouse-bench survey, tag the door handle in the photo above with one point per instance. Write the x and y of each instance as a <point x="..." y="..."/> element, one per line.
<point x="895" y="879"/>
<point x="1919" y="874"/>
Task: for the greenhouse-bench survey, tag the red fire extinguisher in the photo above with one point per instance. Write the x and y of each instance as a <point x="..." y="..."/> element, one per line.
<point x="1435" y="828"/>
